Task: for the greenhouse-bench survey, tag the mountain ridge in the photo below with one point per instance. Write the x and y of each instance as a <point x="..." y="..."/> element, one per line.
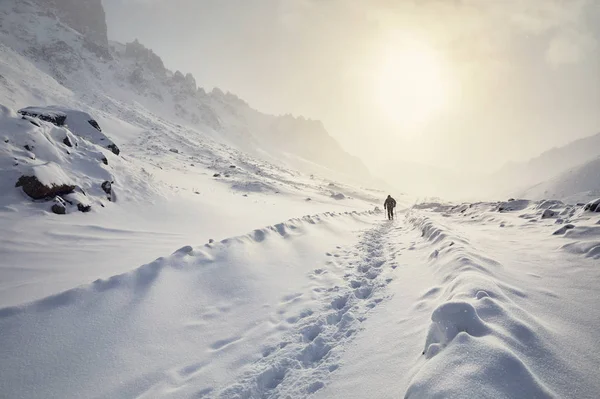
<point x="109" y="76"/>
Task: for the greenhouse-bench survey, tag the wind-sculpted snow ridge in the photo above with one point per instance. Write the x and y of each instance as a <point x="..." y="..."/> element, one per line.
<point x="193" y="323"/>
<point x="480" y="343"/>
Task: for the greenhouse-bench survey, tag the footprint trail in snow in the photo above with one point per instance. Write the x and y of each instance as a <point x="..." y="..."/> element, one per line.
<point x="302" y="362"/>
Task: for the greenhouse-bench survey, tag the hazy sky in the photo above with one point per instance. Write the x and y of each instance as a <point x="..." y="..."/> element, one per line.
<point x="465" y="84"/>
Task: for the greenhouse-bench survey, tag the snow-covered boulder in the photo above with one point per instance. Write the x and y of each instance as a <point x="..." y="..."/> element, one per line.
<point x="548" y="213"/>
<point x="513" y="205"/>
<point x="593" y="206"/>
<point x="45" y="181"/>
<point x="36" y="160"/>
<point x="80" y="123"/>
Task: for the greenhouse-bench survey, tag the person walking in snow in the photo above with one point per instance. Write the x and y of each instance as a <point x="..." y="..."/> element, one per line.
<point x="390" y="204"/>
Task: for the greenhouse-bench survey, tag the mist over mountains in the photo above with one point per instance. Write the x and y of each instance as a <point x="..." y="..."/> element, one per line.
<point x="65" y="43"/>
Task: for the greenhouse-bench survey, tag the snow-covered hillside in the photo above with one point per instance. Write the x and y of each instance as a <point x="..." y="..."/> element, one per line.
<point x="579" y="184"/>
<point x="549" y="170"/>
<point x="47" y="60"/>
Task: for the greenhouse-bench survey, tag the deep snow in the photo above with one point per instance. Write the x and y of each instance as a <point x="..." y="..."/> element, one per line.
<point x="447" y="301"/>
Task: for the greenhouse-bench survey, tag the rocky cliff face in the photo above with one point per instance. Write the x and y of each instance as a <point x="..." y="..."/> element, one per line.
<point x="85" y="16"/>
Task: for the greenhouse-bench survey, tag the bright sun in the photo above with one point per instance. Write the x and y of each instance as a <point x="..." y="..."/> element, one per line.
<point x="410" y="84"/>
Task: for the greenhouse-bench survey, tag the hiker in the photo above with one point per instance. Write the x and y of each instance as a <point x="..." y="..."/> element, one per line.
<point x="390" y="204"/>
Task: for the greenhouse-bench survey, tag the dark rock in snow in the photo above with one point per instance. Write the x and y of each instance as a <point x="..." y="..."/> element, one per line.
<point x="174" y="150"/>
<point x="232" y="166"/>
<point x="55" y="117"/>
<point x="36" y="190"/>
<point x="104" y="161"/>
<point x="107" y="188"/>
<point x="28" y="147"/>
<point x="113" y="147"/>
<point x="59" y="207"/>
<point x="67" y="142"/>
<point x="84" y="208"/>
<point x="217" y="175"/>
<point x="593" y="206"/>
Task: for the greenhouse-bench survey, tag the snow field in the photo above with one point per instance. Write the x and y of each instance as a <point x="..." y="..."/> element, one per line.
<point x="212" y="320"/>
<point x="498" y="328"/>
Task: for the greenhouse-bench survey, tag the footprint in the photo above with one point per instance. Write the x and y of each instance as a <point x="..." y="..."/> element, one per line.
<point x="372" y="274"/>
<point x="355" y="284"/>
<point x="363" y="292"/>
<point x="339" y="302"/>
<point x="311" y="332"/>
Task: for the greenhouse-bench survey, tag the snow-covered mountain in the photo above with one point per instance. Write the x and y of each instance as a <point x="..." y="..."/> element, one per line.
<point x="57" y="52"/>
<point x="542" y="175"/>
<point x="579" y="184"/>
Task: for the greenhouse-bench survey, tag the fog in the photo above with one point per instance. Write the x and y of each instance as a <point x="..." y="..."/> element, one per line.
<point x="460" y="86"/>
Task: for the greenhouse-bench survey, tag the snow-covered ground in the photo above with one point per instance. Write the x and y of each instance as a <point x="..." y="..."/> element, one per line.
<point x="167" y="188"/>
<point x="446" y="301"/>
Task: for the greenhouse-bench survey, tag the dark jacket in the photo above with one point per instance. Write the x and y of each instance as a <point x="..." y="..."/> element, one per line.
<point x="389" y="203"/>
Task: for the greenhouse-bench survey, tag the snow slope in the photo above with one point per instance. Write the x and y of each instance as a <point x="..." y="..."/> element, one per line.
<point x="547" y="170"/>
<point x="47" y="60"/>
<point x="579" y="184"/>
<point x="177" y="178"/>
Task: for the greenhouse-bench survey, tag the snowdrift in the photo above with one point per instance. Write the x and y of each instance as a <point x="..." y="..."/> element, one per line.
<point x="482" y="339"/>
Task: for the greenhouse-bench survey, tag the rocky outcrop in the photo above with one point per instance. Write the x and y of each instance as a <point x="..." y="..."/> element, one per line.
<point x="146" y="57"/>
<point x="38" y="191"/>
<point x="593" y="206"/>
